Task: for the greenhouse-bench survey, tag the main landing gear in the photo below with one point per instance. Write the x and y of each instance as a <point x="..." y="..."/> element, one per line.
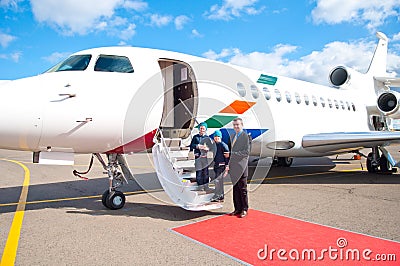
<point x="283" y="161"/>
<point x="112" y="198"/>
<point x="379" y="163"/>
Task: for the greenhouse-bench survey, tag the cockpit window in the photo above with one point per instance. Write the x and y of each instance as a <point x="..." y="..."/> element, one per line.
<point x="72" y="63"/>
<point x="113" y="63"/>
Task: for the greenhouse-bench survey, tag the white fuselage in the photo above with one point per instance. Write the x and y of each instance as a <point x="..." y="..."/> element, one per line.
<point x="92" y="111"/>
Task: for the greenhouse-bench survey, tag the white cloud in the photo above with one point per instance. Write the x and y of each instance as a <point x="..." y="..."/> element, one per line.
<point x="73" y="16"/>
<point x="196" y="34"/>
<point x="82" y="17"/>
<point x="370" y="12"/>
<point x="314" y="67"/>
<point x="160" y="20"/>
<point x="226" y="52"/>
<point x="13" y="56"/>
<point x="118" y="21"/>
<point x="128" y="33"/>
<point x="136" y="5"/>
<point x="396" y="37"/>
<point x="9" y="3"/>
<point x="180" y="21"/>
<point x="16" y="56"/>
<point x="56" y="57"/>
<point x="233" y="8"/>
<point x="5" y="39"/>
<point x="279" y="11"/>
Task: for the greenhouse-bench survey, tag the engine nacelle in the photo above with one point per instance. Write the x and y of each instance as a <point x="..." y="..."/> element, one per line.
<point x="388" y="104"/>
<point x="342" y="77"/>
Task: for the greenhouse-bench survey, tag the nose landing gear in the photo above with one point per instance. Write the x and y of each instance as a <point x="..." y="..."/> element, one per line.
<point x="112" y="198"/>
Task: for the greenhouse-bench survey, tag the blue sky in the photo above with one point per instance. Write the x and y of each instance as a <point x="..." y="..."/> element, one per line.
<point x="299" y="38"/>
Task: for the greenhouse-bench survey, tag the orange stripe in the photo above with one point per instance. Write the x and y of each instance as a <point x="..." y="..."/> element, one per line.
<point x="237" y="107"/>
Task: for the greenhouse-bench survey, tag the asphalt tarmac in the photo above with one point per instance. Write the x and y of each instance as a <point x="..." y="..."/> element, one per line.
<point x="65" y="223"/>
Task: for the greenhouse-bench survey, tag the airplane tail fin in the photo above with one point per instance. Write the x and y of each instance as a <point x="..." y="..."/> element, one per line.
<point x="378" y="62"/>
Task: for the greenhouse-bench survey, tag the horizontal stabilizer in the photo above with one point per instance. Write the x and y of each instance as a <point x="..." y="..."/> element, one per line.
<point x="342" y="141"/>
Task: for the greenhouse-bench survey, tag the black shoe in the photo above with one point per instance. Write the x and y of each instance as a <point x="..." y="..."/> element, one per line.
<point x="234" y="213"/>
<point x="217" y="199"/>
<point x="243" y="214"/>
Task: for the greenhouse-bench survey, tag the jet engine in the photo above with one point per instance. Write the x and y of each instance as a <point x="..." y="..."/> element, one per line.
<point x="342" y="77"/>
<point x="388" y="104"/>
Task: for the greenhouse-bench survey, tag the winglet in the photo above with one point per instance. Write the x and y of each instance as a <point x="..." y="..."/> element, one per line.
<point x="378" y="62"/>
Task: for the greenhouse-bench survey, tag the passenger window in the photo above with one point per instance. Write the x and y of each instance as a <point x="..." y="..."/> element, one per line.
<point x="298" y="98"/>
<point x="254" y="91"/>
<point x="348" y="106"/>
<point x="322" y="100"/>
<point x="330" y="103"/>
<point x="278" y="95"/>
<point x="113" y="63"/>
<point x="336" y="104"/>
<point x="267" y="93"/>
<point x="306" y="100"/>
<point x="72" y="63"/>
<point x="288" y="97"/>
<point x="241" y="89"/>
<point x="342" y="104"/>
<point x="314" y="100"/>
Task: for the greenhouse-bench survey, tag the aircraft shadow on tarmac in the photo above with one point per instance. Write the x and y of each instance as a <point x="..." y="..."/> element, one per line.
<point x="63" y="192"/>
<point x="84" y="196"/>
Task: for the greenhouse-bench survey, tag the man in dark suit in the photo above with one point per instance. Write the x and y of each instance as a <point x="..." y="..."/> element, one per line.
<point x="238" y="167"/>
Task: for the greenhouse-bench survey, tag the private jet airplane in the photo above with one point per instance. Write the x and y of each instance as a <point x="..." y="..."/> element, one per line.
<point x="115" y="101"/>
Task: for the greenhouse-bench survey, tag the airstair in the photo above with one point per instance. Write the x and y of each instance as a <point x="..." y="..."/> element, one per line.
<point x="176" y="173"/>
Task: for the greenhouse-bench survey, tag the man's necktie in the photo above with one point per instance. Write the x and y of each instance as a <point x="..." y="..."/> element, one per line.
<point x="234" y="139"/>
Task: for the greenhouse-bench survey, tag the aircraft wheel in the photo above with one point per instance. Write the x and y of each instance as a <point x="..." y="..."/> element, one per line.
<point x="285" y="161"/>
<point x="115" y="200"/>
<point x="104" y="198"/>
<point x="371" y="168"/>
<point x="384" y="164"/>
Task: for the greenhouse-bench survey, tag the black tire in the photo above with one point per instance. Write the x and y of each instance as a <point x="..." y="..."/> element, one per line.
<point x="104" y="198"/>
<point x="384" y="165"/>
<point x="285" y="161"/>
<point x="371" y="168"/>
<point x="115" y="200"/>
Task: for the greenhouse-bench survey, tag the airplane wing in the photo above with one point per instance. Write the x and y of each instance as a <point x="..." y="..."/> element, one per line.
<point x="394" y="82"/>
<point x="347" y="141"/>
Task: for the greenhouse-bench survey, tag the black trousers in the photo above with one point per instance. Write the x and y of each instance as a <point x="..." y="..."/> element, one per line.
<point x="240" y="198"/>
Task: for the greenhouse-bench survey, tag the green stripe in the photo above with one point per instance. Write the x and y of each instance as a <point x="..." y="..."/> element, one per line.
<point x="218" y="121"/>
<point x="265" y="79"/>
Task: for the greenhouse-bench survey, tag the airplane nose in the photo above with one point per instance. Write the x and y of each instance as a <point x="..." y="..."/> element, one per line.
<point x="20" y="115"/>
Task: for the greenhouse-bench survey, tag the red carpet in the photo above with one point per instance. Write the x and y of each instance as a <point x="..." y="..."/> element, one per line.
<point x="289" y="241"/>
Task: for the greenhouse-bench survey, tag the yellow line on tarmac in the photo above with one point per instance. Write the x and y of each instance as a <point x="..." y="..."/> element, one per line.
<point x="10" y="250"/>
